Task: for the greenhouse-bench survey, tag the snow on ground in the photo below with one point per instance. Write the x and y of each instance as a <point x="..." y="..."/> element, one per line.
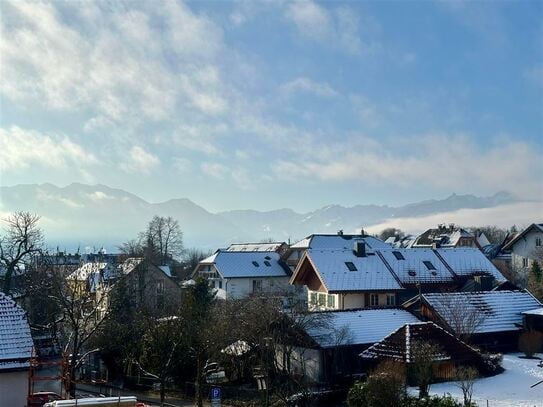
<point x="509" y="389"/>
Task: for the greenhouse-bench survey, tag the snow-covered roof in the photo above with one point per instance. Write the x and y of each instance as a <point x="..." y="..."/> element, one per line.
<point x="417" y="265"/>
<point x="445" y="235"/>
<point x="469" y="261"/>
<point x="247" y="264"/>
<point x="358" y="327"/>
<point x="336" y="241"/>
<point x="256" y="247"/>
<point x="130" y="264"/>
<point x="86" y="270"/>
<point x="398" y="345"/>
<point x="166" y="270"/>
<point x="369" y="272"/>
<point x="536" y="311"/>
<point x="15" y="339"/>
<point x="502" y="310"/>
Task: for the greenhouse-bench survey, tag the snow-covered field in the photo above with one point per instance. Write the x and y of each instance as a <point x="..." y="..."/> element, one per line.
<point x="509" y="389"/>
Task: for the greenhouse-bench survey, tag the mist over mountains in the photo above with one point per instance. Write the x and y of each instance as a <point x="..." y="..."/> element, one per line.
<point x="81" y="215"/>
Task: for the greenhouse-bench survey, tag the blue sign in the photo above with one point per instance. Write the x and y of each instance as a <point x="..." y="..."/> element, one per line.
<point x="215" y="393"/>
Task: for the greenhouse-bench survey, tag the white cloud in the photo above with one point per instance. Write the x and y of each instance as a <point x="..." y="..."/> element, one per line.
<point x="438" y="161"/>
<point x="339" y="27"/>
<point x="520" y="214"/>
<point x="306" y="85"/>
<point x="121" y="64"/>
<point x="215" y="170"/>
<point x="182" y="165"/>
<point x="98" y="196"/>
<point x="139" y="161"/>
<point x="21" y="148"/>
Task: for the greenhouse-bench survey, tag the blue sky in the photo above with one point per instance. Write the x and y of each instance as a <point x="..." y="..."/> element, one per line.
<point x="274" y="104"/>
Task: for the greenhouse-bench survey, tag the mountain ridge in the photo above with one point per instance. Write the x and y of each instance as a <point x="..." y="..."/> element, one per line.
<point x="84" y="214"/>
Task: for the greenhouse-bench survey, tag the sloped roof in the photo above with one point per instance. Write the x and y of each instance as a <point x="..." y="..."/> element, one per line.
<point x="502" y="309"/>
<point x="15" y="339"/>
<point x="448" y="235"/>
<point x="469" y="261"/>
<point x="359" y="327"/>
<point x="247" y="264"/>
<point x="413" y="269"/>
<point x="511" y="243"/>
<point x="339" y="242"/>
<point x="86" y="270"/>
<point x="256" y="247"/>
<point x="536" y="311"/>
<point x="398" y="345"/>
<point x="371" y="272"/>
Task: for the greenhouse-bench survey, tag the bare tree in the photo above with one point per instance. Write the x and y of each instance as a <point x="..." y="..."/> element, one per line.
<point x="423" y="356"/>
<point x="21" y="239"/>
<point x="390" y="232"/>
<point x="461" y="317"/>
<point x="465" y="376"/>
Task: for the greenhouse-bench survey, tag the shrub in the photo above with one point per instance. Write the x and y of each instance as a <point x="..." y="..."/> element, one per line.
<point x="358" y="395"/>
<point x="385" y="387"/>
<point x="529" y="343"/>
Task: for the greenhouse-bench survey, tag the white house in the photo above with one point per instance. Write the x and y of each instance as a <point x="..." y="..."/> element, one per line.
<point x="15" y="353"/>
<point x="525" y="247"/>
<point x="238" y="274"/>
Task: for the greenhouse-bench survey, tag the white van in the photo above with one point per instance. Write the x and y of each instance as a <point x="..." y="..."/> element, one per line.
<point x="124" y="401"/>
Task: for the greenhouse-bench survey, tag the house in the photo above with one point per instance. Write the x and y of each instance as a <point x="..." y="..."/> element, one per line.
<point x="330" y="354"/>
<point x="16" y="350"/>
<point x="338" y="241"/>
<point x="526" y="247"/>
<point x="533" y="319"/>
<point x="361" y="277"/>
<point x="493" y="319"/>
<point x="446" y="236"/>
<point x="398" y="347"/>
<point x="88" y="276"/>
<point x="238" y="274"/>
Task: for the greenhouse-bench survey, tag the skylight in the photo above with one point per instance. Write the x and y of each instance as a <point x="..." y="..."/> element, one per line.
<point x="398" y="255"/>
<point x="256" y="264"/>
<point x="350" y="265"/>
<point x="267" y="263"/>
<point x="429" y="265"/>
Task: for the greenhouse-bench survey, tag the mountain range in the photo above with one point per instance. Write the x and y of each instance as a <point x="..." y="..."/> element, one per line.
<point x="81" y="215"/>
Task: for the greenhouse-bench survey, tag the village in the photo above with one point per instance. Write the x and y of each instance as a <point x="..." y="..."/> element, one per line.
<point x="333" y="319"/>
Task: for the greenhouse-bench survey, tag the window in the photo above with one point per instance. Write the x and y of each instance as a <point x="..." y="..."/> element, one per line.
<point x="322" y="300"/>
<point x="257" y="286"/>
<point x="256" y="264"/>
<point x="350" y="265"/>
<point x="267" y="263"/>
<point x="160" y="287"/>
<point x="429" y="265"/>
<point x="374" y="300"/>
<point x="331" y="303"/>
<point x="538" y="241"/>
<point x="220" y="283"/>
<point x="412" y="273"/>
<point x="524" y="262"/>
<point x="391" y="299"/>
<point x="313" y="299"/>
<point x="398" y="255"/>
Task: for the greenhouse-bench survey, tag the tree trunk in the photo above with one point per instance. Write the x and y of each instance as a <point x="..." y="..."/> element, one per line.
<point x="162" y="392"/>
<point x="199" y="374"/>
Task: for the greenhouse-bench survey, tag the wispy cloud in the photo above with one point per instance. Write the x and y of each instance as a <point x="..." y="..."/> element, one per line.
<point x="306" y="85"/>
<point x="139" y="161"/>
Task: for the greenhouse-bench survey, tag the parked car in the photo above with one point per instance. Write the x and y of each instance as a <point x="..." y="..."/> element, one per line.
<point x="39" y="398"/>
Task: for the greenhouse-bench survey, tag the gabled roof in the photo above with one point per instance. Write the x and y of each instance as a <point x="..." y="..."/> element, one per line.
<point x="393" y="269"/>
<point x="15" y="339"/>
<point x="398" y="345"/>
<point x="371" y="272"/>
<point x="359" y="327"/>
<point x="534" y="226"/>
<point x="468" y="261"/>
<point x="247" y="264"/>
<point x="447" y="236"/>
<point x="502" y="309"/>
<point x="256" y="247"/>
<point x="336" y="241"/>
<point x="84" y="272"/>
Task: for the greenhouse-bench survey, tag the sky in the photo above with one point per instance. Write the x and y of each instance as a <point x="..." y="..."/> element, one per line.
<point x="272" y="104"/>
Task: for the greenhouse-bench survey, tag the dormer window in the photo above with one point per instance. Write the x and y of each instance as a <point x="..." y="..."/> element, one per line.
<point x="350" y="265"/>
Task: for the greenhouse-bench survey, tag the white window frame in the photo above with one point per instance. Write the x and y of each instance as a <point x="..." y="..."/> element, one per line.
<point x="538" y="241"/>
<point x="372" y="297"/>
<point x="391" y="300"/>
<point x="257" y="286"/>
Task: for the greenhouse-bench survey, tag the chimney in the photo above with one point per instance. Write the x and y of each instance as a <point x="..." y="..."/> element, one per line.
<point x="340" y="232"/>
<point x="359" y="248"/>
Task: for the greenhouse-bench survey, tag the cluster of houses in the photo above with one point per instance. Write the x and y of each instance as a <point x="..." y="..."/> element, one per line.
<point x="378" y="296"/>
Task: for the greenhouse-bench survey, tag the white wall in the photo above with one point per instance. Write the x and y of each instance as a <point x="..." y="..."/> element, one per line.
<point x="243" y="287"/>
<point x="13" y="389"/>
<point x="524" y="249"/>
<point x="351" y="301"/>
